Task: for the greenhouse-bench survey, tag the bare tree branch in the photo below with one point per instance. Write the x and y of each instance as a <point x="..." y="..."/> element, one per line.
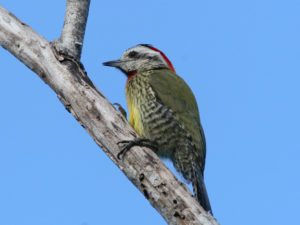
<point x="71" y="38"/>
<point x="102" y="121"/>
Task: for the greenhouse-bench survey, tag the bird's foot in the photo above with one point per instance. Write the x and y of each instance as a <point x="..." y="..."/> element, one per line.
<point x="121" y="109"/>
<point x="142" y="142"/>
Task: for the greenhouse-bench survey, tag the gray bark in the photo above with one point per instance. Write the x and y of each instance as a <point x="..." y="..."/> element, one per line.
<point x="71" y="39"/>
<point x="67" y="77"/>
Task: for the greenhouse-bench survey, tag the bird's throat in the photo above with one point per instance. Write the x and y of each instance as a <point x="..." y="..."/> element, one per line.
<point x="130" y="75"/>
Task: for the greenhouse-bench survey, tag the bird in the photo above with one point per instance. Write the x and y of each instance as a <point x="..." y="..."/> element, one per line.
<point x="164" y="113"/>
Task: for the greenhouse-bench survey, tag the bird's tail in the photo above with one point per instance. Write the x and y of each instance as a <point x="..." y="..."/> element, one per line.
<point x="200" y="189"/>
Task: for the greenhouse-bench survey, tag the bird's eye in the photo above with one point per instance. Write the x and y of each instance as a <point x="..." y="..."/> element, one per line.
<point x="132" y="54"/>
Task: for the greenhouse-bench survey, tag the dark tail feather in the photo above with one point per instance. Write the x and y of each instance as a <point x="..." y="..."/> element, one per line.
<point x="200" y="192"/>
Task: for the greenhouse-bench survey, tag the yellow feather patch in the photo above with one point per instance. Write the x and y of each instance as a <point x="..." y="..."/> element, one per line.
<point x="134" y="117"/>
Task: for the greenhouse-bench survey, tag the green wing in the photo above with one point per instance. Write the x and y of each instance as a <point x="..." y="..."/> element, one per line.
<point x="176" y="94"/>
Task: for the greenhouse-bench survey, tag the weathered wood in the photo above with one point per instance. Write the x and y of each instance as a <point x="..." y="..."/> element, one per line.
<point x="72" y="35"/>
<point x="102" y="121"/>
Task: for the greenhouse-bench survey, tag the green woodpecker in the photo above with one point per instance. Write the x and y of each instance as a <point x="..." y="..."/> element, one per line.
<point x="163" y="109"/>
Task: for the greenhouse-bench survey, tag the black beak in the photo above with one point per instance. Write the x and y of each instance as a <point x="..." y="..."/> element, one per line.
<point x="115" y="63"/>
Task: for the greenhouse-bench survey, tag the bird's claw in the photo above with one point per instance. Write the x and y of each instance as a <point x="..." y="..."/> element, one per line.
<point x="143" y="142"/>
<point x="124" y="149"/>
<point x="121" y="109"/>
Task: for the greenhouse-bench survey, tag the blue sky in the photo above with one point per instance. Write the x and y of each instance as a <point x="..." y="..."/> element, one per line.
<point x="240" y="58"/>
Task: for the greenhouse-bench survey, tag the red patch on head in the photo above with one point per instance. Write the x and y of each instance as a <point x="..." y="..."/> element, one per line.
<point x="165" y="58"/>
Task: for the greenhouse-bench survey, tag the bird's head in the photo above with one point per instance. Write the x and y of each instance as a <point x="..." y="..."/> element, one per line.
<point x="141" y="58"/>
